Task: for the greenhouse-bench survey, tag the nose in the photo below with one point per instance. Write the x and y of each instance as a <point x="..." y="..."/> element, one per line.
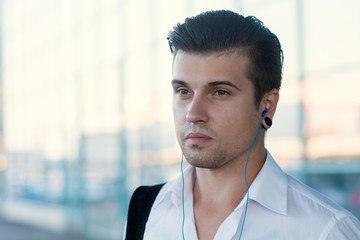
<point x="197" y="110"/>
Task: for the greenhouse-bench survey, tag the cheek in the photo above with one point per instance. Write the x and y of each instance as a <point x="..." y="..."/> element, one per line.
<point x="227" y="116"/>
<point x="178" y="124"/>
<point x="179" y="109"/>
<point x="179" y="117"/>
<point x="235" y="122"/>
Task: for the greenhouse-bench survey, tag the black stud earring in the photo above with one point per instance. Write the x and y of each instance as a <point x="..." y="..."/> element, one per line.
<point x="268" y="122"/>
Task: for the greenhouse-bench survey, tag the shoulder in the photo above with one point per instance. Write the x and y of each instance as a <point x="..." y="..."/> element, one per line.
<point x="146" y="192"/>
<point x="139" y="208"/>
<point x="306" y="203"/>
<point x="347" y="227"/>
<point x="308" y="198"/>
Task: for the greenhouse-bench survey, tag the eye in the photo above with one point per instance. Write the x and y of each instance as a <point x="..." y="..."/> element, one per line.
<point x="182" y="91"/>
<point x="221" y="92"/>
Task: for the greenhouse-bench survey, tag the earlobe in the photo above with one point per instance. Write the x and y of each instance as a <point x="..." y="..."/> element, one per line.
<point x="267" y="123"/>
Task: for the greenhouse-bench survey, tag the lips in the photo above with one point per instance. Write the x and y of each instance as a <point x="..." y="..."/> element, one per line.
<point x="197" y="138"/>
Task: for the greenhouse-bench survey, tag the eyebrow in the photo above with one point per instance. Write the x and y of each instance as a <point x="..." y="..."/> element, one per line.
<point x="216" y="83"/>
<point x="210" y="84"/>
<point x="174" y="82"/>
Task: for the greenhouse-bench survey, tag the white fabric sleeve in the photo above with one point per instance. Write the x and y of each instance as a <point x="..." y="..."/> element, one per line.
<point x="346" y="228"/>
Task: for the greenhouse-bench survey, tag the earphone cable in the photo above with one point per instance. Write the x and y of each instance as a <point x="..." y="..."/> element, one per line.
<point x="183" y="190"/>
<point x="246" y="182"/>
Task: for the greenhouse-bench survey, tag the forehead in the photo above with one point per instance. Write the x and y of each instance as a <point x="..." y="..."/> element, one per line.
<point x="229" y="66"/>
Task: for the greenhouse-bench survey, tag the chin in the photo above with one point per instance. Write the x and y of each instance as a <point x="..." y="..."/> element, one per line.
<point x="205" y="160"/>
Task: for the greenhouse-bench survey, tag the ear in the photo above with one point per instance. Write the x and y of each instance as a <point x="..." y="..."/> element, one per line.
<point x="270" y="101"/>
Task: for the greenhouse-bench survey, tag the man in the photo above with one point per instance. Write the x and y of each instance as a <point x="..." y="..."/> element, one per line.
<point x="226" y="79"/>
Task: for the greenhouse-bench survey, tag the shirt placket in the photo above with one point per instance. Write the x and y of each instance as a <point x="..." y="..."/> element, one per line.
<point x="230" y="228"/>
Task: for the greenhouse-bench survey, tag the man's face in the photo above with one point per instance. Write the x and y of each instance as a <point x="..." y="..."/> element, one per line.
<point x="216" y="119"/>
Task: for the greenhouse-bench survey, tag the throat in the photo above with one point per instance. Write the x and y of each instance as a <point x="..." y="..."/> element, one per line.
<point x="208" y="218"/>
<point x="212" y="206"/>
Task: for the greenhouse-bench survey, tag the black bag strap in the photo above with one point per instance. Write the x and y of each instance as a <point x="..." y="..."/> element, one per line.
<point x="139" y="210"/>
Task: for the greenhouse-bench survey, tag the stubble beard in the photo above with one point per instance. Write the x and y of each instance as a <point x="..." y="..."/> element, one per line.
<point x="200" y="157"/>
<point x="209" y="157"/>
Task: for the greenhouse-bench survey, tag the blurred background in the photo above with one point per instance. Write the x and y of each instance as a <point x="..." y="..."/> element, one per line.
<point x="85" y="106"/>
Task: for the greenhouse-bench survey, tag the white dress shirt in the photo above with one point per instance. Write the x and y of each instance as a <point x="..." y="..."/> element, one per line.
<point x="280" y="208"/>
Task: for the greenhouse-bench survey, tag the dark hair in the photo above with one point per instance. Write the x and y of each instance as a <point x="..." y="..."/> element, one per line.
<point x="223" y="30"/>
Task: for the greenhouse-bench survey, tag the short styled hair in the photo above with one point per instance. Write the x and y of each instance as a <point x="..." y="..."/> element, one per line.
<point x="223" y="30"/>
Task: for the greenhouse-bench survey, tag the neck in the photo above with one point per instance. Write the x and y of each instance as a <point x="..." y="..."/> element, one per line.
<point x="227" y="183"/>
<point x="217" y="192"/>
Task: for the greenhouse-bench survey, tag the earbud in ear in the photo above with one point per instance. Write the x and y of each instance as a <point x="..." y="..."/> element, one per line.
<point x="267" y="120"/>
<point x="265" y="111"/>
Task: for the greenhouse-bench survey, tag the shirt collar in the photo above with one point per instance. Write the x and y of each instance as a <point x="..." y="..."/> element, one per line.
<point x="270" y="187"/>
<point x="173" y="189"/>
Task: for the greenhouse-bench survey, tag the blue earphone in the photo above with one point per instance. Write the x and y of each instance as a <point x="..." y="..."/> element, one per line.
<point x="247" y="185"/>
